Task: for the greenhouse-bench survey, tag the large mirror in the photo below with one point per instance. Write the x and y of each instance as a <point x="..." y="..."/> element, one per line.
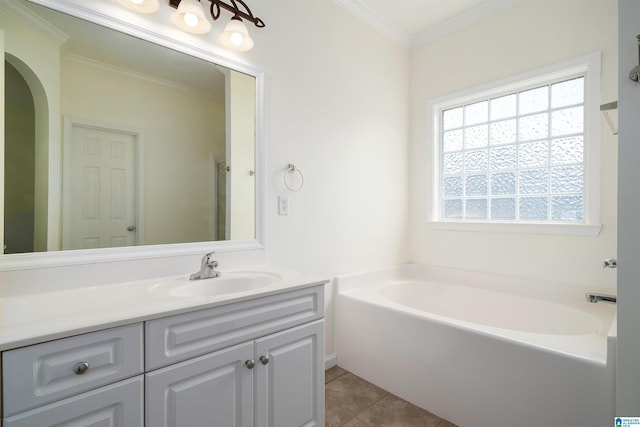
<point x="114" y="141"/>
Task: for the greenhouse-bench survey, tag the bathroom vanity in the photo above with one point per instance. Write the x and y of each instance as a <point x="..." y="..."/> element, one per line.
<point x="181" y="353"/>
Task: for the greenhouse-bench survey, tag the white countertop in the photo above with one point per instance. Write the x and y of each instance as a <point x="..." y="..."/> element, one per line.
<point x="37" y="317"/>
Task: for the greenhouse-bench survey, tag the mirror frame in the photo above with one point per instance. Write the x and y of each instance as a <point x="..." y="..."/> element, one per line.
<point x="32" y="260"/>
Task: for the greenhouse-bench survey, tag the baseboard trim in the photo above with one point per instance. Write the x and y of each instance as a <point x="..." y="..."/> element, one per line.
<point x="330" y="360"/>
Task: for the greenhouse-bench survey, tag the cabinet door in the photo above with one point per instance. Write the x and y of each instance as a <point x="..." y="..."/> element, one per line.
<point x="211" y="390"/>
<point x="290" y="383"/>
<point x="115" y="405"/>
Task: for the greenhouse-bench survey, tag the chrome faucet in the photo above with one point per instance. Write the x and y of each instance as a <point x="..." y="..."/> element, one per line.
<point x="207" y="268"/>
<point x="594" y="298"/>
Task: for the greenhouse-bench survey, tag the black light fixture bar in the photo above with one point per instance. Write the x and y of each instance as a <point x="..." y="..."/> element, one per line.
<point x="233" y="8"/>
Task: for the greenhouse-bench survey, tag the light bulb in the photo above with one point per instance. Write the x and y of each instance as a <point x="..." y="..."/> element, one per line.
<point x="191" y="20"/>
<point x="237" y="39"/>
<point x="190" y="17"/>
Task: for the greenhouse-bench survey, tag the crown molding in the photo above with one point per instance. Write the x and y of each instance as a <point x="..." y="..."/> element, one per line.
<point x="378" y="20"/>
<point x="34" y="21"/>
<point x="463" y="20"/>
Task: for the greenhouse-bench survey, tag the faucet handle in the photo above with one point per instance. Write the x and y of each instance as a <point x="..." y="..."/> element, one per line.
<point x="208" y="258"/>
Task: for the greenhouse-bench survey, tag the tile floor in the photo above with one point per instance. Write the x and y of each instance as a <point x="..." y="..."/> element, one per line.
<point x="351" y="401"/>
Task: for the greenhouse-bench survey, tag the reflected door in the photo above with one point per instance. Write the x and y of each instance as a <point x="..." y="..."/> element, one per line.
<point x="100" y="209"/>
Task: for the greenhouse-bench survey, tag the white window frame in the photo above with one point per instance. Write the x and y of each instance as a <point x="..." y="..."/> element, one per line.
<point x="588" y="66"/>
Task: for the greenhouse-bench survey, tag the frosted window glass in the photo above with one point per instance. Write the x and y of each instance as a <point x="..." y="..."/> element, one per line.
<point x="503" y="158"/>
<point x="568" y="179"/>
<point x="452" y="186"/>
<point x="476" y="113"/>
<point x="503" y="183"/>
<point x="567" y="93"/>
<point x="452" y="140"/>
<point x="476" y="185"/>
<point x="503" y="209"/>
<point x="452" y="163"/>
<point x="476" y="137"/>
<point x="533" y="127"/>
<point x="452" y="209"/>
<point x="503" y="132"/>
<point x="533" y="208"/>
<point x="452" y="118"/>
<point x="475" y="161"/>
<point x="476" y="209"/>
<point x="534" y="100"/>
<point x="516" y="157"/>
<point x="567" y="150"/>
<point x="503" y="107"/>
<point x="535" y="181"/>
<point x="566" y="208"/>
<point x="567" y="121"/>
<point x="533" y="154"/>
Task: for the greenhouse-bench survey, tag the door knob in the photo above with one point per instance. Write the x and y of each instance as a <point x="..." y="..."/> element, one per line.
<point x="131" y="228"/>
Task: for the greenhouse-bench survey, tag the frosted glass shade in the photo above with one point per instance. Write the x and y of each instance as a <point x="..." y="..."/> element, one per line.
<point x="142" y="6"/>
<point x="236" y="36"/>
<point x="190" y="17"/>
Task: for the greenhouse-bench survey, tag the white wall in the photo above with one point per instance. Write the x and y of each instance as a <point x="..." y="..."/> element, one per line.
<point x="627" y="369"/>
<point x="533" y="34"/>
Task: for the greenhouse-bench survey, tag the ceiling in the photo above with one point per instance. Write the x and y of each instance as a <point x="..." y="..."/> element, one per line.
<point x="416" y="22"/>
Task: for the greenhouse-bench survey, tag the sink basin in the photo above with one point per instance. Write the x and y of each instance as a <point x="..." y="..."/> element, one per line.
<point x="228" y="283"/>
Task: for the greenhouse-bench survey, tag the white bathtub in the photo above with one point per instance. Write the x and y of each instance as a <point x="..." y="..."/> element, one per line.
<point x="480" y="350"/>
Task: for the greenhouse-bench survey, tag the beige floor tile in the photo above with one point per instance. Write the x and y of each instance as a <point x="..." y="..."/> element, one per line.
<point x="347" y="396"/>
<point x="392" y="411"/>
<point x="445" y="423"/>
<point x="354" y="423"/>
<point x="333" y="373"/>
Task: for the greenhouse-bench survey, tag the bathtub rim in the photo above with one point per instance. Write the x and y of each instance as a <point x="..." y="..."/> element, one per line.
<point x="351" y="286"/>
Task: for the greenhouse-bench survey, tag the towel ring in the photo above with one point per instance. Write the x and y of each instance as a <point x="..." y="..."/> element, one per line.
<point x="290" y="171"/>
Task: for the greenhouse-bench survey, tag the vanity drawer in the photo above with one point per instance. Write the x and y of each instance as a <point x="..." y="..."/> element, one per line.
<point x="40" y="374"/>
<point x="176" y="338"/>
<point x="114" y="405"/>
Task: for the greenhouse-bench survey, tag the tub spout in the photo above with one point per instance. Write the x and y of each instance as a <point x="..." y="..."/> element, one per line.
<point x="594" y="298"/>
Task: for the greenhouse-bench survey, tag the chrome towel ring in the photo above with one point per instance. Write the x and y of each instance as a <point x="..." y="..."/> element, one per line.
<point x="292" y="170"/>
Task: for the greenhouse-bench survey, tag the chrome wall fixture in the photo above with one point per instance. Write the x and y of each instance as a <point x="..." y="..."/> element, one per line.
<point x="635" y="72"/>
<point x="190" y="16"/>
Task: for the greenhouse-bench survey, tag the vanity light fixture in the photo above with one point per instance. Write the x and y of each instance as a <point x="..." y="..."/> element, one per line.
<point x="190" y="17"/>
<point x="142" y="6"/>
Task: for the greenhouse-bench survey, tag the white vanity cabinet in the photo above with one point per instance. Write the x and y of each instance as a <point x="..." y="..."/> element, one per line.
<point x="249" y="375"/>
<point x="85" y="380"/>
<point x="252" y="363"/>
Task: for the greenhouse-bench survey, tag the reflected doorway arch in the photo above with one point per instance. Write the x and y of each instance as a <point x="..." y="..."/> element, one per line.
<point x="34" y="94"/>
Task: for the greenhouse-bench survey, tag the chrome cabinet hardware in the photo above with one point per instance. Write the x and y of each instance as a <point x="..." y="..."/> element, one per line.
<point x="250" y="364"/>
<point x="81" y="368"/>
<point x="264" y="359"/>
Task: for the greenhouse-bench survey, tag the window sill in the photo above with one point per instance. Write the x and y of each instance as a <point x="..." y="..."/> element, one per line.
<point x="592" y="230"/>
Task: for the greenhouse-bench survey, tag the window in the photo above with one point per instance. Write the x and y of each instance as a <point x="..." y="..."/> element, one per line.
<point x="517" y="153"/>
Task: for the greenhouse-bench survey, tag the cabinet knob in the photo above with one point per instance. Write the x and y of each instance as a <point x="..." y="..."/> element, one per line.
<point x="250" y="364"/>
<point x="264" y="359"/>
<point x="81" y="368"/>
